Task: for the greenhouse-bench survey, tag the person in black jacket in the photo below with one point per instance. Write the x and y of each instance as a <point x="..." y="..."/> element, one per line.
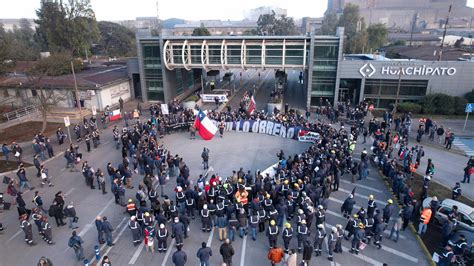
<point x="107" y="228"/>
<point x="204" y="253"/>
<point x="307" y="252"/>
<point x="227" y="251"/>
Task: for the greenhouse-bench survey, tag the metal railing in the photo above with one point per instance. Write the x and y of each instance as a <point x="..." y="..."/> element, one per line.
<point x="22" y="112"/>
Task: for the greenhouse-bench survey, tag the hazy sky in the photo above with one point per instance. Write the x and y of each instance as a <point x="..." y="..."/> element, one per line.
<point x="186" y="9"/>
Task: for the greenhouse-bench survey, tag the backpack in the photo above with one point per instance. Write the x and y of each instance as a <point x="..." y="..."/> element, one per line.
<point x="51" y="211"/>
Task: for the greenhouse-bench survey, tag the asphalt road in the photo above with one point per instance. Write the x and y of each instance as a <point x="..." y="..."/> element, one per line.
<point x="234" y="150"/>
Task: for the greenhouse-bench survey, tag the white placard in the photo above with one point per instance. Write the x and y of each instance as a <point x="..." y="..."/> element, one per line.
<point x="164" y="109"/>
<point x="66" y="121"/>
<point x="211" y="97"/>
<point x="94" y="110"/>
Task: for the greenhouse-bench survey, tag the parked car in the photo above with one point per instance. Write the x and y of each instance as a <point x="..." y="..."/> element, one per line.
<point x="466" y="213"/>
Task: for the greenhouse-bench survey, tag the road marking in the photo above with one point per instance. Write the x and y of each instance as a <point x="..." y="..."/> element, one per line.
<point x="244" y="246"/>
<point x="69" y="192"/>
<point x="136" y="254"/>
<point x="211" y="235"/>
<point x="15" y="235"/>
<point x="400" y="254"/>
<point x="88" y="226"/>
<point x="362" y="186"/>
<point x="362" y="196"/>
<point x="363" y="257"/>
<point x="168" y="252"/>
<point x="115" y="242"/>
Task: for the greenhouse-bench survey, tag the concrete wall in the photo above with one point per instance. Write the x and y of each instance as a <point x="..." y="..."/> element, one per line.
<point x="111" y="95"/>
<point x="456" y="85"/>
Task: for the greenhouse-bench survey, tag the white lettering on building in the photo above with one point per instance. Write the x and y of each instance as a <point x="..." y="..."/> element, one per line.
<point x="417" y="71"/>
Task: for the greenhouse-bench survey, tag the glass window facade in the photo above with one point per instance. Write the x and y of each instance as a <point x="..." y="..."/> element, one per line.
<point x="153" y="72"/>
<point x="383" y="92"/>
<point x="323" y="82"/>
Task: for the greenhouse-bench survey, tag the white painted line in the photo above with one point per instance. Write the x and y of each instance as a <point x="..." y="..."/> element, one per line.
<point x="115" y="242"/>
<point x="242" y="255"/>
<point x="211" y="235"/>
<point x="168" y="252"/>
<point x="362" y="186"/>
<point x="362" y="196"/>
<point x="14" y="236"/>
<point x="136" y="254"/>
<point x="69" y="192"/>
<point x="363" y="257"/>
<point x="400" y="254"/>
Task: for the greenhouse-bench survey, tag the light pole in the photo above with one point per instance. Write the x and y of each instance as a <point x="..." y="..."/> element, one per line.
<point x="444" y="32"/>
<point x="398" y="90"/>
<point x="78" y="98"/>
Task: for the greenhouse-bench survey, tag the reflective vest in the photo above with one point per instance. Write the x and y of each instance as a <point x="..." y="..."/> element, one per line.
<point x="133" y="225"/>
<point x="162" y="233"/>
<point x="131" y="207"/>
<point x="273" y="230"/>
<point x="287" y="233"/>
<point x="205" y="213"/>
<point x="302" y="230"/>
<point x="426" y="216"/>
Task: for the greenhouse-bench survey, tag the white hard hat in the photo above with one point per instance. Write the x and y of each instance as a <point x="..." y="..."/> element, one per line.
<point x="162" y="226"/>
<point x="204" y="207"/>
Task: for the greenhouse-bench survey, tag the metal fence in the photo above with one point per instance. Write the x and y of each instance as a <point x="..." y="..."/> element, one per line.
<point x="22" y="112"/>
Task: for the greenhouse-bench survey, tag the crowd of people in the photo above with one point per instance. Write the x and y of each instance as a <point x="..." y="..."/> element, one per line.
<point x="286" y="205"/>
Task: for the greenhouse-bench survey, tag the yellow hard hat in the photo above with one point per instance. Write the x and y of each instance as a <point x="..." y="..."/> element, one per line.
<point x="390" y="201"/>
<point x="238" y="199"/>
<point x="303" y="221"/>
<point x="147" y="214"/>
<point x="356" y="215"/>
<point x="288" y="225"/>
<point x="272" y="222"/>
<point x="286" y="182"/>
<point x="371" y="197"/>
<point x="361" y="225"/>
<point x="130" y="200"/>
<point x="268" y="196"/>
<point x="297" y="186"/>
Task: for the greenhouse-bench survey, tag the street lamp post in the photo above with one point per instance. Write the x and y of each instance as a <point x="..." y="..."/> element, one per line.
<point x="78" y="99"/>
<point x="398" y="90"/>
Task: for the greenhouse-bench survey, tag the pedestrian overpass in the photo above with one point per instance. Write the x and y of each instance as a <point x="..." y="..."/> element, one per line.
<point x="245" y="52"/>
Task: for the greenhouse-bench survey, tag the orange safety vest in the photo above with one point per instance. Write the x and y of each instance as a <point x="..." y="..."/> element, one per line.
<point x="426" y="216"/>
<point x="131" y="207"/>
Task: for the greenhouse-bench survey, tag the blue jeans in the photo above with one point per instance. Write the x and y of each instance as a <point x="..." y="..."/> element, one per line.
<point x="467" y="178"/>
<point x="204" y="263"/>
<point x="254" y="233"/>
<point x="108" y="238"/>
<point x="79" y="253"/>
<point x="24" y="184"/>
<point x="396" y="232"/>
<point x="422" y="228"/>
<point x="231" y="234"/>
<point x="242" y="231"/>
<point x="71" y="222"/>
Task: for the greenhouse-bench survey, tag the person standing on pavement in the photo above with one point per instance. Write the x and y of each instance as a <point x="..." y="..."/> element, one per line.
<point x="319" y="239"/>
<point x="100" y="231"/>
<point x="287" y="235"/>
<point x="70" y="213"/>
<point x="38" y="201"/>
<point x="49" y="148"/>
<point x="227" y="251"/>
<point x="424" y="220"/>
<point x="178" y="229"/>
<point x="205" y="158"/>
<point x="47" y="231"/>
<point x="55" y="211"/>
<point x="397" y="225"/>
<point x="275" y="255"/>
<point x="179" y="257"/>
<point x="107" y="228"/>
<point x="59" y="198"/>
<point x="21" y="173"/>
<point x="76" y="242"/>
<point x="136" y="231"/>
<point x="37" y="165"/>
<point x="468" y="171"/>
<point x="359" y="235"/>
<point x="388" y="211"/>
<point x="27" y="229"/>
<point x="204" y="254"/>
<point x="6" y="152"/>
<point x="162" y="236"/>
<point x="332" y="239"/>
<point x="407" y="214"/>
<point x="307" y="253"/>
<point x="456" y="191"/>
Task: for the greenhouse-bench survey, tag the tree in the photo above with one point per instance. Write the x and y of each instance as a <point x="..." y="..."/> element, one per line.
<point x="201" y="31"/>
<point x="116" y="40"/>
<point x="354" y="29"/>
<point x="329" y="24"/>
<point x="24" y="47"/>
<point x="69" y="26"/>
<point x="41" y="73"/>
<point x="377" y="35"/>
<point x="250" y="32"/>
<point x="5" y="48"/>
<point x="269" y="24"/>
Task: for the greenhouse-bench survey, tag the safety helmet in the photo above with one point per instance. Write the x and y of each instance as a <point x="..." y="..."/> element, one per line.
<point x="176" y="219"/>
<point x="371" y="197"/>
<point x="339" y="226"/>
<point x="300" y="211"/>
<point x="303" y="221"/>
<point x="130" y="200"/>
<point x="320" y="226"/>
<point x="162" y="226"/>
<point x="147" y="214"/>
<point x="320" y="207"/>
<point x="288" y="225"/>
<point x="334" y="229"/>
<point x="361" y="225"/>
<point x="286" y="182"/>
<point x="272" y="222"/>
<point x="133" y="217"/>
<point x="204" y="206"/>
<point x="390" y="201"/>
<point x="268" y="196"/>
<point x="356" y="215"/>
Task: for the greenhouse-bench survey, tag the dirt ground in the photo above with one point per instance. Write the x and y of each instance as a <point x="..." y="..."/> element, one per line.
<point x="26" y="131"/>
<point x="11" y="165"/>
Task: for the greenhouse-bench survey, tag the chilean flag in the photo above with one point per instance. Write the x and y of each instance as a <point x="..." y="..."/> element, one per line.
<point x="204" y="125"/>
<point x="252" y="105"/>
<point x="115" y="115"/>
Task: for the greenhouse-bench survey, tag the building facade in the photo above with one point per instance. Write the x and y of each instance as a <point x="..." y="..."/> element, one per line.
<point x="173" y="66"/>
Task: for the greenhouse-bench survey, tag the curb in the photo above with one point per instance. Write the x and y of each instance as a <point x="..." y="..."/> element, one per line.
<point x="50" y="159"/>
<point x="412" y="228"/>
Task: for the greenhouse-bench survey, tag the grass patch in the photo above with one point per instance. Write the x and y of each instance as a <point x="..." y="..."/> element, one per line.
<point x="26" y="131"/>
<point x="11" y="165"/>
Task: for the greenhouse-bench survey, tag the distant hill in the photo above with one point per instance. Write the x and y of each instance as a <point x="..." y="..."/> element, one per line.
<point x="169" y="23"/>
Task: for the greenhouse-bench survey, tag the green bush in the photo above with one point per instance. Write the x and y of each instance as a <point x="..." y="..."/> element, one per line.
<point x="407" y="107"/>
<point x="460" y="105"/>
<point x="438" y="103"/>
<point x="469" y="96"/>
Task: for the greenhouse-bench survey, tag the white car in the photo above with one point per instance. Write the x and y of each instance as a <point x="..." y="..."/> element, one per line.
<point x="466" y="213"/>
